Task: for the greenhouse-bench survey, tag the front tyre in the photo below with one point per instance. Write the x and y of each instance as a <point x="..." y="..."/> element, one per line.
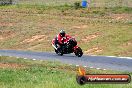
<point x="78" y="52"/>
<point x="59" y="52"/>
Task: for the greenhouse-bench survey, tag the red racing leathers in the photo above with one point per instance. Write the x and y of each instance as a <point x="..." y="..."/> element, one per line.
<point x="60" y="40"/>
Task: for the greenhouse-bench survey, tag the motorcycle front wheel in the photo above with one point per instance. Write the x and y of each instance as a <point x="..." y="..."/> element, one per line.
<point x="78" y="52"/>
<point x="59" y="52"/>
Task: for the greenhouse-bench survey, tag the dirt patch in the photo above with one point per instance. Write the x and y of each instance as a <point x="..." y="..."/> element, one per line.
<point x="93" y="50"/>
<point x="1" y="38"/>
<point x="7" y="24"/>
<point x="121" y="16"/>
<point x="11" y="65"/>
<point x="127" y="44"/>
<point x="80" y="27"/>
<point x="90" y="37"/>
<point x="35" y="38"/>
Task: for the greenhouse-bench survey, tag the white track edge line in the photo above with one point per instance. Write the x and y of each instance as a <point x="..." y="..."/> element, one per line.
<point x="33" y="59"/>
<point x="113" y="56"/>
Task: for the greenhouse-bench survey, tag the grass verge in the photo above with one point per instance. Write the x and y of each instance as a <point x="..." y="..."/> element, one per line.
<point x="45" y="74"/>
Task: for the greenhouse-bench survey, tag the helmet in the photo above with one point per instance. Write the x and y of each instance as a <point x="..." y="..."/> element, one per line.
<point x="62" y="33"/>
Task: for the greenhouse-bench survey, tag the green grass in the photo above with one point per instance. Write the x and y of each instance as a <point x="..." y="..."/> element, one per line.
<point x="47" y="2"/>
<point x="46" y="74"/>
<point x="95" y="3"/>
<point x="122" y="10"/>
<point x="20" y="22"/>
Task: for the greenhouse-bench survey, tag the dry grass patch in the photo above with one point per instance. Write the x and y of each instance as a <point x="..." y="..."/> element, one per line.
<point x="11" y="65"/>
<point x="90" y="37"/>
<point x="80" y="27"/>
<point x="6" y="34"/>
<point x="121" y="16"/>
<point x="6" y="24"/>
<point x="93" y="50"/>
<point x="127" y="44"/>
<point x="38" y="38"/>
<point x="127" y="47"/>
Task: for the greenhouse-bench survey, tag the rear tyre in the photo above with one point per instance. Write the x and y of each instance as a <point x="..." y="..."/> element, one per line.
<point x="78" y="52"/>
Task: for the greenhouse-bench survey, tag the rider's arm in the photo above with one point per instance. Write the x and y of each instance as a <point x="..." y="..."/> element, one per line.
<point x="68" y="37"/>
<point x="59" y="39"/>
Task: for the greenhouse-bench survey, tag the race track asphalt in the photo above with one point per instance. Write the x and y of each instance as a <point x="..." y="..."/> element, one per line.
<point x="98" y="62"/>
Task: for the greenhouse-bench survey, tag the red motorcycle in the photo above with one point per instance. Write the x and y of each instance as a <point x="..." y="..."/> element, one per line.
<point x="68" y="47"/>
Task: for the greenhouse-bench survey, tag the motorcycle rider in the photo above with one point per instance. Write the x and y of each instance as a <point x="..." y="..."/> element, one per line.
<point x="60" y="39"/>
